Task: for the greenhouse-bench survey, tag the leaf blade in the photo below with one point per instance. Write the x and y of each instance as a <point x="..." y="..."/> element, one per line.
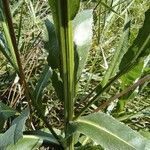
<point x="110" y="133"/>
<point x="120" y="51"/>
<point x="140" y="46"/>
<point x="82" y="25"/>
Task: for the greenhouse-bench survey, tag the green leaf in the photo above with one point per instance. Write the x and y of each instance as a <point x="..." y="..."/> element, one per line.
<point x="15" y="132"/>
<point x="119" y="52"/>
<point x="146" y="134"/>
<point x="7" y="138"/>
<point x="74" y="7"/>
<point x="51" y="45"/>
<point x="82" y="38"/>
<point x="28" y="142"/>
<point x="110" y="133"/>
<point x="53" y="6"/>
<point x="140" y="46"/>
<point x="20" y="123"/>
<point x="89" y="147"/>
<point x="44" y="136"/>
<point x="8" y="51"/>
<point x="5" y="50"/>
<point x="42" y="83"/>
<point x="58" y="85"/>
<point x="128" y="78"/>
<point x="5" y="113"/>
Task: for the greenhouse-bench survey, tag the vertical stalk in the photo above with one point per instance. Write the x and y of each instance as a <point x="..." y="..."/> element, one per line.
<point x="67" y="64"/>
<point x="13" y="40"/>
<point x="14" y="46"/>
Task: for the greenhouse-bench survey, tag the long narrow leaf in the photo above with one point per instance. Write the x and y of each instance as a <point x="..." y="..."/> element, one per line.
<point x="45" y="76"/>
<point x="119" y="52"/>
<point x="140" y="46"/>
<point x="110" y="133"/>
<point x="82" y="23"/>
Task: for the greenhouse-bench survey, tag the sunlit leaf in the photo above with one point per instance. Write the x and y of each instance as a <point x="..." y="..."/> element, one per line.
<point x="43" y="135"/>
<point x="110" y="133"/>
<point x="28" y="142"/>
<point x="82" y="38"/>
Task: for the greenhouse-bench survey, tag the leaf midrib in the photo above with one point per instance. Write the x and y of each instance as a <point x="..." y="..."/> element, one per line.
<point x="103" y="129"/>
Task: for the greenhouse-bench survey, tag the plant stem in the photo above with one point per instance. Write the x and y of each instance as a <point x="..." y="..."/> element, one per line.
<point x="14" y="44"/>
<point x="15" y="47"/>
<point x="67" y="64"/>
<point x="20" y="69"/>
<point x="125" y="91"/>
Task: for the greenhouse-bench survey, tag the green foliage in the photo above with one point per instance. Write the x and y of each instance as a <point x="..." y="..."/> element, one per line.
<point x="145" y="134"/>
<point x="68" y="41"/>
<point x="6" y="46"/>
<point x="15" y="132"/>
<point x="109" y="133"/>
<point x="88" y="147"/>
<point x="83" y="39"/>
<point x="44" y="135"/>
<point x="58" y="85"/>
<point x="26" y="143"/>
<point x="42" y="83"/>
<point x="74" y="7"/>
<point x="119" y="52"/>
<point x="82" y="26"/>
<point x="5" y="113"/>
<point x="140" y="46"/>
<point x="51" y="45"/>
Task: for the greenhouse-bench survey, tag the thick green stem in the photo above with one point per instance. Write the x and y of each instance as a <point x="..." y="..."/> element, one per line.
<point x="67" y="64"/>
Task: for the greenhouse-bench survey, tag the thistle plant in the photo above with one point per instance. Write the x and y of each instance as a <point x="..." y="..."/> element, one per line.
<point x="67" y="39"/>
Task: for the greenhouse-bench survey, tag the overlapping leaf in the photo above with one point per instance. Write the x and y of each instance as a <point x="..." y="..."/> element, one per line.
<point x="119" y="52"/>
<point x="45" y="76"/>
<point x="28" y="142"/>
<point x="140" y="46"/>
<point x="58" y="85"/>
<point x="51" y="45"/>
<point x="110" y="133"/>
<point x="82" y="23"/>
<point x="15" y="132"/>
<point x="5" y="113"/>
